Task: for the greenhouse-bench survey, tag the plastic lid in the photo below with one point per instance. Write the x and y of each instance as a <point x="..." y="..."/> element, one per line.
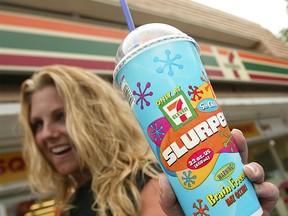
<point x="144" y="34"/>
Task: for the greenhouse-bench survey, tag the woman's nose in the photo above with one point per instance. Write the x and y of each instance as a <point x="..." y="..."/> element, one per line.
<point x="50" y="131"/>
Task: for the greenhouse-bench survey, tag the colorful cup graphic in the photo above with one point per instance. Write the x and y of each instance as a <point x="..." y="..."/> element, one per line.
<point x="161" y="75"/>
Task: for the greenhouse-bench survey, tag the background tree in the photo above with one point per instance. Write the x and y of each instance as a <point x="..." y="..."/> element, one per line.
<point x="284" y="31"/>
<point x="284" y="35"/>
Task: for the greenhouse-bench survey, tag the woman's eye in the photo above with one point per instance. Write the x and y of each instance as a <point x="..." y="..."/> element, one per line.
<point x="36" y="126"/>
<point x="60" y="117"/>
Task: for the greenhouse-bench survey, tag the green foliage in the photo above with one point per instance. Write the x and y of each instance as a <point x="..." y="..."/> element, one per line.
<point x="284" y="32"/>
<point x="284" y="35"/>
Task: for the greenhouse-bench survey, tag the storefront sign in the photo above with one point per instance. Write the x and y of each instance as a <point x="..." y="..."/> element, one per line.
<point x="12" y="167"/>
<point x="231" y="64"/>
<point x="99" y="45"/>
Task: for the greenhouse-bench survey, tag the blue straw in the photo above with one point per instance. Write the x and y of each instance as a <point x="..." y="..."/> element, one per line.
<point x="127" y="15"/>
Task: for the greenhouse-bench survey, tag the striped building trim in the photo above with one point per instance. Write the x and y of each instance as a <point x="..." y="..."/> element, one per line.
<point x="29" y="42"/>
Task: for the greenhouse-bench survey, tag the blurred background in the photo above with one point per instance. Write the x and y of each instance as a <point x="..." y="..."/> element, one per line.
<point x="247" y="65"/>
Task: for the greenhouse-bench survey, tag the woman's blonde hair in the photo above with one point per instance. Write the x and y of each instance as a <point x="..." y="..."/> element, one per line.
<point x="106" y="136"/>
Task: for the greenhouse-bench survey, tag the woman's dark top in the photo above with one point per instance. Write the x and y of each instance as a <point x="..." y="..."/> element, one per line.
<point x="84" y="199"/>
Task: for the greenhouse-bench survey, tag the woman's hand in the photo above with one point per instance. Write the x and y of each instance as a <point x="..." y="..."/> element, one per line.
<point x="267" y="193"/>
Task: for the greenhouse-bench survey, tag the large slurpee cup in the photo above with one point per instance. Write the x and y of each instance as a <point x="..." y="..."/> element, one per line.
<point x="161" y="75"/>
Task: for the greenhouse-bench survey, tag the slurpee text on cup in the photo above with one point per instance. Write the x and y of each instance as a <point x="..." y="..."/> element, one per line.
<point x="160" y="73"/>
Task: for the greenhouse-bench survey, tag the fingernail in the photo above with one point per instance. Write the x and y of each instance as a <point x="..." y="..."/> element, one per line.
<point x="235" y="129"/>
<point x="251" y="167"/>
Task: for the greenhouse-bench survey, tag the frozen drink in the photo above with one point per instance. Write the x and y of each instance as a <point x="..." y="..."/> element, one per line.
<point x="160" y="73"/>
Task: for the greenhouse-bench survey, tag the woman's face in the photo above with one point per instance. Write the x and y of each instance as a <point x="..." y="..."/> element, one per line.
<point x="47" y="119"/>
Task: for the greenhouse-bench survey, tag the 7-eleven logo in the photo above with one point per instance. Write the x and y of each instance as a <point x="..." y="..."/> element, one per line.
<point x="178" y="110"/>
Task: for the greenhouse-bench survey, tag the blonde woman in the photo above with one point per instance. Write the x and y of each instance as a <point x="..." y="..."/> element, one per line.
<point x="83" y="144"/>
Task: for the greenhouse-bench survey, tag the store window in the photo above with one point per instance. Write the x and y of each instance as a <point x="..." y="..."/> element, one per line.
<point x="273" y="156"/>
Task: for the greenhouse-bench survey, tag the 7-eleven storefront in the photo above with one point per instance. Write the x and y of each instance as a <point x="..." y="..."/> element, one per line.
<point x="252" y="90"/>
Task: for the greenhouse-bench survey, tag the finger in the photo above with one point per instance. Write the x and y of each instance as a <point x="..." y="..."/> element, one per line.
<point x="254" y="172"/>
<point x="167" y="198"/>
<point x="267" y="192"/>
<point x="241" y="144"/>
<point x="268" y="195"/>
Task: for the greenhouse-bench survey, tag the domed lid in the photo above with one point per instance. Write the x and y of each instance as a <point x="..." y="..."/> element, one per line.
<point x="145" y="34"/>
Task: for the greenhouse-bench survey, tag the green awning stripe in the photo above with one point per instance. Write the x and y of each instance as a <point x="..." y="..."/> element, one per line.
<point x="265" y="68"/>
<point x="28" y="41"/>
<point x="208" y="61"/>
